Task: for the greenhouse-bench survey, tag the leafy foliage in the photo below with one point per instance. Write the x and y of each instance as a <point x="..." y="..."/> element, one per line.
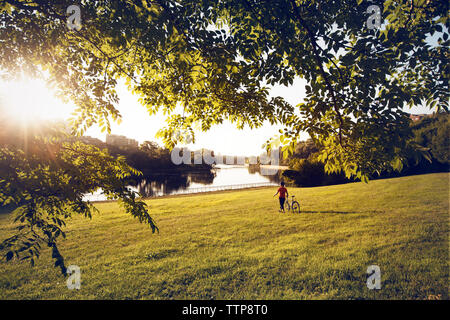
<point x="214" y="60"/>
<point x="310" y="173"/>
<point x="434" y="134"/>
<point x="431" y="133"/>
<point x="46" y="184"/>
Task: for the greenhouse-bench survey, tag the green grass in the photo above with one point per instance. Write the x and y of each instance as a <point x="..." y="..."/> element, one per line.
<point x="235" y="245"/>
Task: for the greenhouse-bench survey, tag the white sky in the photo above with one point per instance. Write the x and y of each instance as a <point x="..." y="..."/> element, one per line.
<point x="31" y="99"/>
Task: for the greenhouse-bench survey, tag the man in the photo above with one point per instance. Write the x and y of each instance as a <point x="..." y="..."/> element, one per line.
<point x="283" y="193"/>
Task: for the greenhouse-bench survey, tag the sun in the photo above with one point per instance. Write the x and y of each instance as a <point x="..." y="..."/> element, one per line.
<point x="30" y="100"/>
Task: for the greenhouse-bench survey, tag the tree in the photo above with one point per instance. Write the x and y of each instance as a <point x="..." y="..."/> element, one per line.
<point x="216" y="58"/>
<point x="150" y="147"/>
<point x="46" y="182"/>
<point x="440" y="145"/>
<point x="305" y="149"/>
<point x="433" y="133"/>
<point x="358" y="79"/>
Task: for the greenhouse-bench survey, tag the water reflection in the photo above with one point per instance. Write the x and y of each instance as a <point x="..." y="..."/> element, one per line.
<point x="166" y="184"/>
<point x="220" y="176"/>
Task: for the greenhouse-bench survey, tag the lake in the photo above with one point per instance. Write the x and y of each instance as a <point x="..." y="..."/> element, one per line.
<point x="221" y="177"/>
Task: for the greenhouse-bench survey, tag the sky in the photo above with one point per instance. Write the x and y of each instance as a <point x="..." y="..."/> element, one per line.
<point x="31" y="99"/>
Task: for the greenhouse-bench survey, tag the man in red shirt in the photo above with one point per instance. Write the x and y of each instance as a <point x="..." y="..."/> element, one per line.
<point x="283" y="194"/>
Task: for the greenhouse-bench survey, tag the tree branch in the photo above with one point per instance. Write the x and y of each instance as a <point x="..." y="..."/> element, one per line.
<point x="319" y="63"/>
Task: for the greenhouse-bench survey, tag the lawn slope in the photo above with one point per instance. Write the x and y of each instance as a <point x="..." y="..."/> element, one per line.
<point x="235" y="245"/>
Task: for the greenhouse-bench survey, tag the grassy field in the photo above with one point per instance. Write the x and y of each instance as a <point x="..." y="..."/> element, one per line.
<point x="235" y="245"/>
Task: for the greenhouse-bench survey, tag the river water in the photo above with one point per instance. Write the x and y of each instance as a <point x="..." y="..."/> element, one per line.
<point x="222" y="177"/>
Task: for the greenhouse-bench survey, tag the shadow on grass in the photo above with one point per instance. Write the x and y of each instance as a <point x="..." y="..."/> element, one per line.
<point x="340" y="212"/>
<point x="6" y="210"/>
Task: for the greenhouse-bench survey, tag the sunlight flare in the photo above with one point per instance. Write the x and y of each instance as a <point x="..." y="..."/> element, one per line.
<point x="29" y="100"/>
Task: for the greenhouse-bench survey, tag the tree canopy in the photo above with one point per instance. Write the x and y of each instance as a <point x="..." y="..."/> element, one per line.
<point x="215" y="60"/>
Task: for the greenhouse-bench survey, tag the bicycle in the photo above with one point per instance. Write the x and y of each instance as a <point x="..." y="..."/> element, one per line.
<point x="294" y="205"/>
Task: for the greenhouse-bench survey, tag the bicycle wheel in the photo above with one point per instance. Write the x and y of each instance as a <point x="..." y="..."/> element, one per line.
<point x="287" y="206"/>
<point x="295" y="207"/>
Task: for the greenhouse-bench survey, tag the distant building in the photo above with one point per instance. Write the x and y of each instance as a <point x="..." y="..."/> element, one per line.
<point x="121" y="141"/>
<point x="417" y="117"/>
